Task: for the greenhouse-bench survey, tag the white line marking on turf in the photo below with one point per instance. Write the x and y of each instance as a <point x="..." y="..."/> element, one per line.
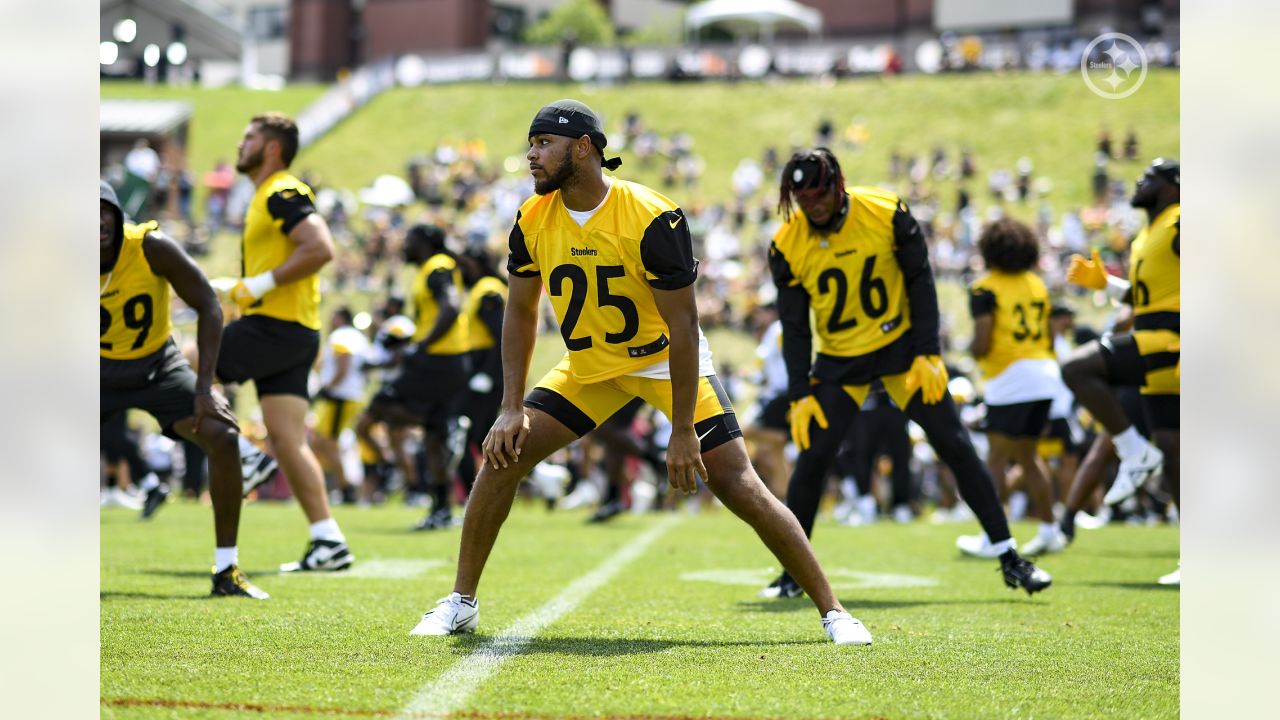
<point x="841" y="579"/>
<point x="455" y="685"/>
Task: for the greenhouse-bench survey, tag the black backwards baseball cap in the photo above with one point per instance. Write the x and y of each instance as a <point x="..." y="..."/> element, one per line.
<point x="810" y="175"/>
<point x="573" y="119"/>
<point x="1167" y="169"/>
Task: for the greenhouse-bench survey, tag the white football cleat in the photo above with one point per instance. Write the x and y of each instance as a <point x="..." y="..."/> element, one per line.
<point x="977" y="546"/>
<point x="844" y="629"/>
<point x="451" y="615"/>
<point x="115" y="497"/>
<point x="1173" y="578"/>
<point x="1040" y="546"/>
<point x="1085" y="521"/>
<point x="1133" y="473"/>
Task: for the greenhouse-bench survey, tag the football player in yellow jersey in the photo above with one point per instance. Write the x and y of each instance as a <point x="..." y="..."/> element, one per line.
<point x="275" y="343"/>
<point x="857" y="261"/>
<point x="429" y="389"/>
<point x="485" y="304"/>
<point x="142" y="368"/>
<point x="617" y="260"/>
<point x="1013" y="345"/>
<point x="1148" y="357"/>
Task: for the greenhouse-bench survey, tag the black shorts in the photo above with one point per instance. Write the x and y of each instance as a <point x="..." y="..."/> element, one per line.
<point x="773" y="413"/>
<point x="1068" y="432"/>
<point x="1142" y="358"/>
<point x="431" y="388"/>
<point x="1023" y="420"/>
<point x="162" y="384"/>
<point x="275" y="354"/>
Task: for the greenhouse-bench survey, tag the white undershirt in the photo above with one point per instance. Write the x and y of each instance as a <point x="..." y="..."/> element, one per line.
<point x="582" y="216"/>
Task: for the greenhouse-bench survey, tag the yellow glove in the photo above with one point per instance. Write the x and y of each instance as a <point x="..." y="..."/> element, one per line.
<point x="1090" y="274"/>
<point x="928" y="375"/>
<point x="802" y="413"/>
<point x="246" y="291"/>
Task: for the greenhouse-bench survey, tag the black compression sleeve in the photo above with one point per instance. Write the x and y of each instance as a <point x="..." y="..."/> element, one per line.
<point x="912" y="253"/>
<point x="797" y="337"/>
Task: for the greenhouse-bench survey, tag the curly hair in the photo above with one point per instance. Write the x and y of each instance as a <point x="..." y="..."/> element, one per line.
<point x="828" y="175"/>
<point x="1009" y="246"/>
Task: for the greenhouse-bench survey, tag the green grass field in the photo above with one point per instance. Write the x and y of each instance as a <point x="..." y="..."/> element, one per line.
<point x="675" y="632"/>
<point x="1054" y="119"/>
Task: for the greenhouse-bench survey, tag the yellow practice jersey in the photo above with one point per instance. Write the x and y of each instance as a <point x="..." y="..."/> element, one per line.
<point x="133" y="302"/>
<point x="1019" y="305"/>
<point x="601" y="276"/>
<point x="278" y="205"/>
<point x="1155" y="266"/>
<point x="440" y="276"/>
<point x="487" y="290"/>
<point x="857" y="294"/>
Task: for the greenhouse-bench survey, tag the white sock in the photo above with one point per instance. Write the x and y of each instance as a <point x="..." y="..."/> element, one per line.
<point x="1129" y="444"/>
<point x="224" y="557"/>
<point x="149" y="482"/>
<point x="1003" y="546"/>
<point x="247" y="448"/>
<point x="327" y="529"/>
<point x="1048" y="531"/>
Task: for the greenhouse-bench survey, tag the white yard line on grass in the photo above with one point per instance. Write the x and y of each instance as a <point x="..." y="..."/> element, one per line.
<point x="454" y="686"/>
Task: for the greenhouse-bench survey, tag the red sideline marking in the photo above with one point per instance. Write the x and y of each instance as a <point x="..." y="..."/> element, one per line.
<point x="352" y="712"/>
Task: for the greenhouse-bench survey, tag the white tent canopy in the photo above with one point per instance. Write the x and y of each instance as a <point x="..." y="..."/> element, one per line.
<point x="741" y="17"/>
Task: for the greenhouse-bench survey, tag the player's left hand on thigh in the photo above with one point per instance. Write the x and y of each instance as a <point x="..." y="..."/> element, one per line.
<point x="212" y="405"/>
<point x="929" y="375"/>
<point x="684" y="460"/>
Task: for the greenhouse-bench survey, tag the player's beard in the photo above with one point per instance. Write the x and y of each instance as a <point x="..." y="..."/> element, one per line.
<point x="249" y="164"/>
<point x="555" y="179"/>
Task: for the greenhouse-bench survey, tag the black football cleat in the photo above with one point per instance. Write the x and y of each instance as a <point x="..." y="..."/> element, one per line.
<point x="257" y="469"/>
<point x="154" y="500"/>
<point x="1022" y="573"/>
<point x="322" y="555"/>
<point x="784" y="588"/>
<point x="232" y="583"/>
<point x="607" y="512"/>
<point x="439" y="520"/>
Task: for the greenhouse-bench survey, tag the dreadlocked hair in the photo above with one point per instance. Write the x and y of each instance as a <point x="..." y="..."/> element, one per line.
<point x="829" y="175"/>
<point x="1009" y="246"/>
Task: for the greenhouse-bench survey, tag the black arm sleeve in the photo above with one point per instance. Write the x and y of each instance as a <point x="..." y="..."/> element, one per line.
<point x="981" y="302"/>
<point x="667" y="252"/>
<point x="912" y="253"/>
<point x="490" y="313"/>
<point x="290" y="206"/>
<point x="797" y="337"/>
<point x="519" y="262"/>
